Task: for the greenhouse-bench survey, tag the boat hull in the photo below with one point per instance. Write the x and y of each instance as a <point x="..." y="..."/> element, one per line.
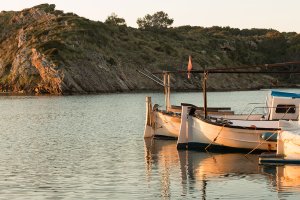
<point x="166" y="125"/>
<point x="289" y="141"/>
<point x="200" y="134"/>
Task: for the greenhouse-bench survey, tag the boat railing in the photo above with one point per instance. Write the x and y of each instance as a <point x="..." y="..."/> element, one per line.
<point x="268" y="107"/>
<point x="249" y="104"/>
<point x="254" y="109"/>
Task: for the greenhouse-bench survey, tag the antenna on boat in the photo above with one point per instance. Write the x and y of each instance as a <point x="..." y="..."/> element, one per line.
<point x="166" y="83"/>
<point x="151" y="76"/>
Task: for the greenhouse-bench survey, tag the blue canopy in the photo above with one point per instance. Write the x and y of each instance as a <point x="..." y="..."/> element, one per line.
<point x="284" y="94"/>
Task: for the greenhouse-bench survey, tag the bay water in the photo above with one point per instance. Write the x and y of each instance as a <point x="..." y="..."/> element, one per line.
<point x="92" y="147"/>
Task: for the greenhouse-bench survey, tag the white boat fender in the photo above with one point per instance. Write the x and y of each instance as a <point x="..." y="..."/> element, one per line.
<point x="269" y="136"/>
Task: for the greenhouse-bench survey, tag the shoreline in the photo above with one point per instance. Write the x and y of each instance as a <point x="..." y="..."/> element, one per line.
<point x="147" y="90"/>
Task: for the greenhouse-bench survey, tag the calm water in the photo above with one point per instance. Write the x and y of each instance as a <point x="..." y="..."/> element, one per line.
<point x="92" y="147"/>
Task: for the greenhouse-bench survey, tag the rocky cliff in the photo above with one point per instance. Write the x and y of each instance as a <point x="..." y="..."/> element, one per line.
<point x="46" y="51"/>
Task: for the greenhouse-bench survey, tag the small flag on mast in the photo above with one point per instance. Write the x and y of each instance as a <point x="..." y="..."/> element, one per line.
<point x="190" y="66"/>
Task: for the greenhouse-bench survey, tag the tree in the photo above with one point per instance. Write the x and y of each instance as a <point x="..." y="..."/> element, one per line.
<point x="157" y="20"/>
<point x="113" y="19"/>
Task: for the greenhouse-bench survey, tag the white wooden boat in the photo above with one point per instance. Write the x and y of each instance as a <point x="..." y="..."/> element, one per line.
<point x="258" y="127"/>
<point x="161" y="123"/>
<point x="238" y="132"/>
<point x="166" y="123"/>
<point x="203" y="130"/>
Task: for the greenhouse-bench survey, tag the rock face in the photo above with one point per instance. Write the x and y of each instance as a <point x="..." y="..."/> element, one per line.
<point x="46" y="51"/>
<point x="51" y="79"/>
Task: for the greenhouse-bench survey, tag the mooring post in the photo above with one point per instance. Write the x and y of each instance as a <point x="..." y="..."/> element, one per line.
<point x="182" y="141"/>
<point x="148" y="132"/>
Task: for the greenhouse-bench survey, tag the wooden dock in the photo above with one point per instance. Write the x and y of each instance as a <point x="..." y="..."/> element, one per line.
<point x="276" y="159"/>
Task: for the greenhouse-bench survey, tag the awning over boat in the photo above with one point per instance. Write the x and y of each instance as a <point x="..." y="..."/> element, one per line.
<point x="284" y="94"/>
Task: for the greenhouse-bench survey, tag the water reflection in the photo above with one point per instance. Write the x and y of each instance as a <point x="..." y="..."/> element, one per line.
<point x="213" y="175"/>
<point x="162" y="153"/>
<point x="284" y="178"/>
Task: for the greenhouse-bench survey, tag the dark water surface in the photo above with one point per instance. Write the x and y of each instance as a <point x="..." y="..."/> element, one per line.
<point x="92" y="147"/>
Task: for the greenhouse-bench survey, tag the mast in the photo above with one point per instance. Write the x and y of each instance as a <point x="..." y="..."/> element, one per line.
<point x="169" y="93"/>
<point x="205" y="76"/>
<point x="167" y="89"/>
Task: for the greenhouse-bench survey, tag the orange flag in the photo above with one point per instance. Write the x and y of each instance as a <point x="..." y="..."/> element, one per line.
<point x="190" y="66"/>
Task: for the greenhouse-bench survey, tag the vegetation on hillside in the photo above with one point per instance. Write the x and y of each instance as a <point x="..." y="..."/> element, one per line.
<point x="103" y="57"/>
<point x="158" y="20"/>
<point x="114" y="19"/>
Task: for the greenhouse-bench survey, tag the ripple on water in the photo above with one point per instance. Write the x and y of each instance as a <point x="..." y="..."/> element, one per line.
<point x="91" y="147"/>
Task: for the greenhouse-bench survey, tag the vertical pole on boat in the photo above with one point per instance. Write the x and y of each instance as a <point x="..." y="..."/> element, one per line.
<point x="167" y="90"/>
<point x="205" y="75"/>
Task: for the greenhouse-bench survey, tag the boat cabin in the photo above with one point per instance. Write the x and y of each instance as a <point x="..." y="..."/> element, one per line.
<point x="282" y="105"/>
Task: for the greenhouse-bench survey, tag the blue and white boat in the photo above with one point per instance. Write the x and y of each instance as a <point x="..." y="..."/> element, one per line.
<point x="249" y="133"/>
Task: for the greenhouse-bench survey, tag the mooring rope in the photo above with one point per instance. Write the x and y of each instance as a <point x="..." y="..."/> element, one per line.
<point x="261" y="142"/>
<point x="215" y="138"/>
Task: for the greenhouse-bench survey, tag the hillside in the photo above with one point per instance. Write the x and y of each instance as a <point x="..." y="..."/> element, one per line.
<point x="46" y="51"/>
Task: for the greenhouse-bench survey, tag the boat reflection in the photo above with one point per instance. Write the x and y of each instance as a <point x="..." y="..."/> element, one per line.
<point x="161" y="154"/>
<point x="284" y="177"/>
<point x="196" y="169"/>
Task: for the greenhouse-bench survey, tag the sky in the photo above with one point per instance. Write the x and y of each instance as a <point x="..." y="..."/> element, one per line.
<point x="282" y="15"/>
